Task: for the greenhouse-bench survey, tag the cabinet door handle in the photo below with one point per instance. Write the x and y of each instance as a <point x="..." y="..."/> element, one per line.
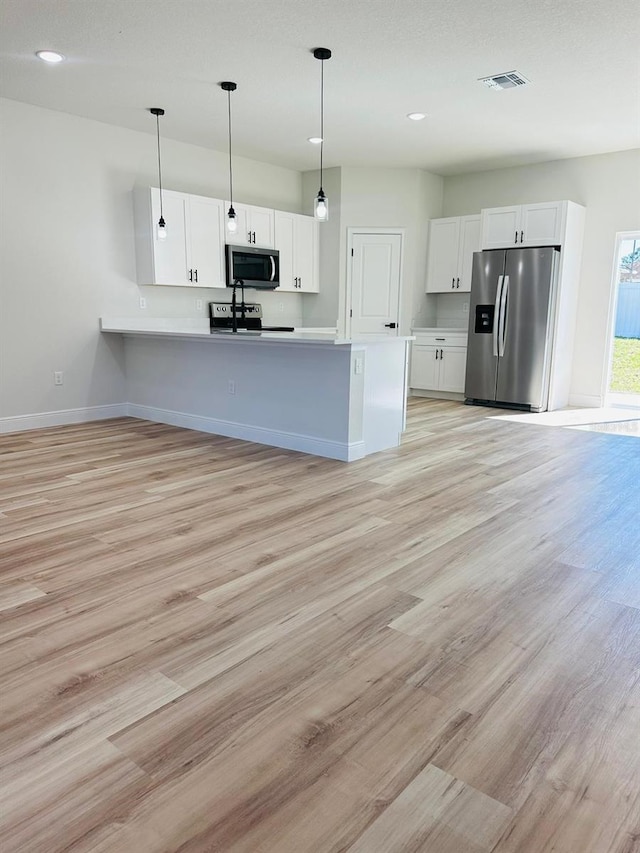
<point x="516" y="240"/>
<point x="457" y="283"/>
<point x="390" y="325"/>
<point x="522" y="236"/>
<point x="436" y="355"/>
<point x="196" y="276"/>
<point x="441" y="355"/>
<point x="248" y="236"/>
<point x="300" y="282"/>
<point x="190" y="275"/>
<point x="441" y="339"/>
<point x="453" y="282"/>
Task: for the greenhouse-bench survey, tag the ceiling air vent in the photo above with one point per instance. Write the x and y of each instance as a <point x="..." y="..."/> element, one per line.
<point x="508" y="80"/>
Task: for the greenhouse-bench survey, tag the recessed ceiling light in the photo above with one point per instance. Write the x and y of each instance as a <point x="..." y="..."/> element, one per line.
<point x="416" y="116"/>
<point x="50" y="55"/>
<point x="316" y="140"/>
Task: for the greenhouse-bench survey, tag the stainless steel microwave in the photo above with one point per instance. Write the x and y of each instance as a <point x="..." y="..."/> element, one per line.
<point x="253" y="266"/>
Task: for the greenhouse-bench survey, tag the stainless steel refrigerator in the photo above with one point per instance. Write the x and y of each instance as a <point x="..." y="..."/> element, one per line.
<point x="511" y="317"/>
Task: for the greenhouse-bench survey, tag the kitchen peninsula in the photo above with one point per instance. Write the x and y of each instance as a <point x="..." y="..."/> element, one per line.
<point x="305" y="390"/>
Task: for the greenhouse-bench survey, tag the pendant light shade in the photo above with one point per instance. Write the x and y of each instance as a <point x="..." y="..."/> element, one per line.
<point x="321" y="205"/>
<point x="232" y="222"/>
<point x="161" y="228"/>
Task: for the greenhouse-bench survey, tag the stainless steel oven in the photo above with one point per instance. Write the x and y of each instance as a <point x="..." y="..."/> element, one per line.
<point x="256" y="267"/>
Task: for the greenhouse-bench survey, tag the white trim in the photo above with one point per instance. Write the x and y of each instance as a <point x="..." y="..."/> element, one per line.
<point x="585" y="401"/>
<point x="437" y="395"/>
<point x="63" y="417"/>
<point x="613" y="307"/>
<point x="343" y="451"/>
<point x="352" y="230"/>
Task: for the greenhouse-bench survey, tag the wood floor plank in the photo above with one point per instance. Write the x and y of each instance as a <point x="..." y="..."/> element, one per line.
<point x="436" y="812"/>
<point x="213" y="645"/>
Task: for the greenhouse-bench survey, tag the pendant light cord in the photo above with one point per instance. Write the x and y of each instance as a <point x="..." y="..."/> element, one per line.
<point x="230" y="169"/>
<point x="159" y="164"/>
<point x="321" y="117"/>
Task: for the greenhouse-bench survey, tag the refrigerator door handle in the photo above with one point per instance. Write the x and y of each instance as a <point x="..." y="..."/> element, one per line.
<point x="496" y="315"/>
<point x="502" y="328"/>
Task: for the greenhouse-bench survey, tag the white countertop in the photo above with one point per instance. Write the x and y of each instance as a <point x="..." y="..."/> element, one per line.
<point x="198" y="329"/>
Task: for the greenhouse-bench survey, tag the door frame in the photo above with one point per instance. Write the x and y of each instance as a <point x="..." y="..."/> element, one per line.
<point x="352" y="230"/>
<point x="613" y="308"/>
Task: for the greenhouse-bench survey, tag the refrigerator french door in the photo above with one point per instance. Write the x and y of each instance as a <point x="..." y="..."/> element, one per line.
<point x="510" y="327"/>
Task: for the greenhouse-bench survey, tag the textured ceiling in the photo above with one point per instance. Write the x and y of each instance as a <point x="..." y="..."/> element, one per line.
<point x="390" y="57"/>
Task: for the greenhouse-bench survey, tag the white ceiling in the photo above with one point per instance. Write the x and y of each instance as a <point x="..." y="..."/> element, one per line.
<point x="390" y="57"/>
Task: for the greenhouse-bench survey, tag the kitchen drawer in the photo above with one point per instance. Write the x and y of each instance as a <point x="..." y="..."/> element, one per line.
<point x="441" y="339"/>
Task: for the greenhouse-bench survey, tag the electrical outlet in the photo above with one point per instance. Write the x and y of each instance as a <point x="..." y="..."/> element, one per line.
<point x="58" y="377"/>
<point x="232" y="386"/>
<point x="357" y="365"/>
<point x="465" y="307"/>
<point x="198" y="304"/>
<point x="143" y="303"/>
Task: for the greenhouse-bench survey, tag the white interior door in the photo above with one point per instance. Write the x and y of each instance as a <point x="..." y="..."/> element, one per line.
<point x="375" y="283"/>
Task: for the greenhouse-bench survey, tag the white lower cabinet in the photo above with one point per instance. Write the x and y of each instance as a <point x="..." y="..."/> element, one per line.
<point x="438" y="361"/>
<point x="296" y="238"/>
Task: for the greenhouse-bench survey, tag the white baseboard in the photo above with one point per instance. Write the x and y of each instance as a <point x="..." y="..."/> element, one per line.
<point x="585" y="401"/>
<point x="437" y="395"/>
<point x="342" y="451"/>
<point x="42" y="420"/>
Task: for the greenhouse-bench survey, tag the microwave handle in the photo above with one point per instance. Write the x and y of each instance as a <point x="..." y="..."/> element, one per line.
<point x="273" y="268"/>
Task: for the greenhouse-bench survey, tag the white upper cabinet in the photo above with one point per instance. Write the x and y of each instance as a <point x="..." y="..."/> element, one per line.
<point x="540" y="224"/>
<point x="296" y="238"/>
<point x="205" y="226"/>
<point x="191" y="255"/>
<point x="255" y="226"/>
<point x="452" y="242"/>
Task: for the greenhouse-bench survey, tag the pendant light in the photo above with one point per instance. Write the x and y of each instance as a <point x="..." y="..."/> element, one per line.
<point x="161" y="229"/>
<point x="232" y="222"/>
<point x="321" y="205"/>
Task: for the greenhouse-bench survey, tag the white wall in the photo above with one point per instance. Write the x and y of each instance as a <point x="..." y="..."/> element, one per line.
<point x="322" y="309"/>
<point x="67" y="253"/>
<point x="377" y="198"/>
<point x="608" y="185"/>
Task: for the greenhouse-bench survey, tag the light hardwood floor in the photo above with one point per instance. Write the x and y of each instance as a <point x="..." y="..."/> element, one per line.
<point x="210" y="645"/>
